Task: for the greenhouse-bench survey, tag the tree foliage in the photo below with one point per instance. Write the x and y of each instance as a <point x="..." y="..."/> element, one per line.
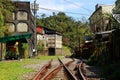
<point x="69" y="28"/>
<point x="117" y="7"/>
<point x="6" y="7"/>
<point x="116" y="10"/>
<point x="1" y="19"/>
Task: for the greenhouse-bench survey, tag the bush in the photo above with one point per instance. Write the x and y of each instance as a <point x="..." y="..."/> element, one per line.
<point x="92" y="60"/>
<point x="39" y="48"/>
<point x="111" y="71"/>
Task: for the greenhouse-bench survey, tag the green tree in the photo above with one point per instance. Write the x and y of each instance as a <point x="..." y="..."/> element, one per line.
<point x="70" y="28"/>
<point x="1" y="24"/>
<point x="6" y="9"/>
<point x="117" y="7"/>
<point x="1" y="19"/>
<point x="5" y="14"/>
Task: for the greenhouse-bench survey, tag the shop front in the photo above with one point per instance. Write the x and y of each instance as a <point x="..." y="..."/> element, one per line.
<point x="13" y="46"/>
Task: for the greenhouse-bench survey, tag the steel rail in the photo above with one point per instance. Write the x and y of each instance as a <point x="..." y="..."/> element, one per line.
<point x="80" y="73"/>
<point x="43" y="71"/>
<point x="53" y="73"/>
<point x="67" y="72"/>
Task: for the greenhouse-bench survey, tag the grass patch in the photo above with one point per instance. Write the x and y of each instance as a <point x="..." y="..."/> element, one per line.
<point x="66" y="51"/>
<point x="11" y="70"/>
<point x="47" y="57"/>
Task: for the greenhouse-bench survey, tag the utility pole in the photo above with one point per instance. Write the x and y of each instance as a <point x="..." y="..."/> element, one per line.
<point x="78" y="40"/>
<point x="34" y="9"/>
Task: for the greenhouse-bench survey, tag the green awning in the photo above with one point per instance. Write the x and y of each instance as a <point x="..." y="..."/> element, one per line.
<point x="16" y="37"/>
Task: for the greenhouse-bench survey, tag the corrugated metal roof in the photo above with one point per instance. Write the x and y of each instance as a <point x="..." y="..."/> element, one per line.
<point x="15" y="37"/>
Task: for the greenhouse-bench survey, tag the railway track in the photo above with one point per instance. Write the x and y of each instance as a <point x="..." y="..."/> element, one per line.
<point x="68" y="74"/>
<point x="63" y="69"/>
<point x="80" y="74"/>
<point x="53" y="73"/>
<point x="43" y="71"/>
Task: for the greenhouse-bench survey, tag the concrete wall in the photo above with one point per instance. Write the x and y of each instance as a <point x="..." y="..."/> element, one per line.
<point x="58" y="51"/>
<point x="99" y="19"/>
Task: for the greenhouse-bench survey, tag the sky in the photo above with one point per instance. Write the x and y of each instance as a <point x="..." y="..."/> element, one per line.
<point x="77" y="9"/>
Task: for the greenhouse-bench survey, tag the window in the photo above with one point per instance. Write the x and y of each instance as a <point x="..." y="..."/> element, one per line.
<point x="22" y="15"/>
<point x="11" y="27"/>
<point x="22" y="27"/>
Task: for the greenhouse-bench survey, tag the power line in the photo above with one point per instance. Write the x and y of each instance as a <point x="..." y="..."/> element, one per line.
<point x="52" y="10"/>
<point x="79" y="6"/>
<point x="75" y="18"/>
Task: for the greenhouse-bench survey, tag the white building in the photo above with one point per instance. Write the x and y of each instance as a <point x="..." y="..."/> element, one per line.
<point x="51" y="40"/>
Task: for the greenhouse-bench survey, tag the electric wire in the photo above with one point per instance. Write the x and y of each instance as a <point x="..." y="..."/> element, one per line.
<point x="53" y="10"/>
<point x="79" y="6"/>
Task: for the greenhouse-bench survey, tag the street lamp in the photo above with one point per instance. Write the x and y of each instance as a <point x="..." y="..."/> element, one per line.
<point x="34" y="7"/>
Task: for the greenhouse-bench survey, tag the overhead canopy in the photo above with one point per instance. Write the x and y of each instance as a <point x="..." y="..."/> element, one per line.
<point x="105" y="32"/>
<point x="104" y="36"/>
<point x="15" y="37"/>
